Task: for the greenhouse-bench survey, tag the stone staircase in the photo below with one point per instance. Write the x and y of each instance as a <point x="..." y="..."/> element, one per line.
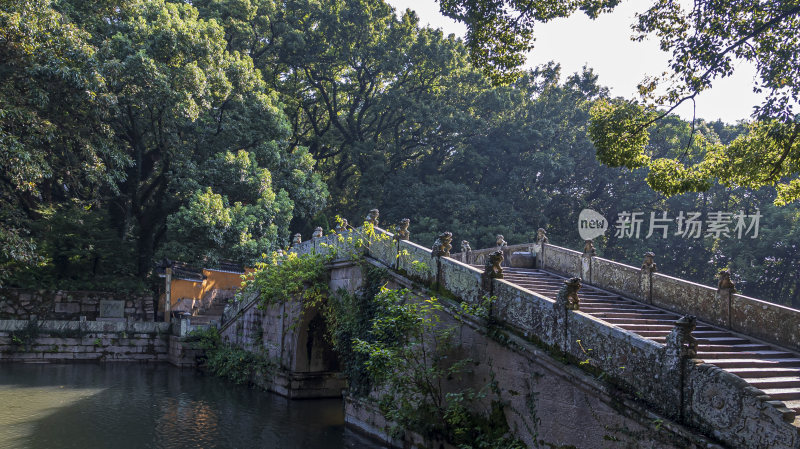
<point x="206" y="316"/>
<point x="771" y="369"/>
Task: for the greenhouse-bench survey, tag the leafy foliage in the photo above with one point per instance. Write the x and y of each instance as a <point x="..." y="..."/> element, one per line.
<point x="408" y="354"/>
<point x="706" y="40"/>
<point x="55" y="145"/>
<point x="140" y="112"/>
<point x="290" y="277"/>
<point x="349" y="319"/>
<point x="229" y="362"/>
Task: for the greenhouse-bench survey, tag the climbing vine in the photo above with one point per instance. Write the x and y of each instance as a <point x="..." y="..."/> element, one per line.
<point x="395" y="343"/>
<point x="286" y="277"/>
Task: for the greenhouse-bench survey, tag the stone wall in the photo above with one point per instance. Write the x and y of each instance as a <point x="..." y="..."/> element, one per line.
<point x="21" y="304"/>
<point x="546" y="402"/>
<point x="67" y="341"/>
<point x="306" y="365"/>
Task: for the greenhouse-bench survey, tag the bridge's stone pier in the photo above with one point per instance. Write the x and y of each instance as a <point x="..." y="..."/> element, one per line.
<point x="572" y="378"/>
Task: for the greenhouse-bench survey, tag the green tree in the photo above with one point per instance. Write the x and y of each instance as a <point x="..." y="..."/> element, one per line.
<point x="138" y="121"/>
<point x="367" y="93"/>
<point x="705" y="40"/>
<point x="186" y="106"/>
<point x="55" y="145"/>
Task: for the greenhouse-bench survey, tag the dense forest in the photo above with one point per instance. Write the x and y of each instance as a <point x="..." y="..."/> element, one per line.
<point x="131" y="131"/>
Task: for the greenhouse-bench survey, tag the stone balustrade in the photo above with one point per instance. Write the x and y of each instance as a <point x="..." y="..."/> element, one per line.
<point x="661" y="375"/>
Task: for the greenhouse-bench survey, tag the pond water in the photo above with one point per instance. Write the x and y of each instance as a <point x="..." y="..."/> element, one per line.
<point x="53" y="406"/>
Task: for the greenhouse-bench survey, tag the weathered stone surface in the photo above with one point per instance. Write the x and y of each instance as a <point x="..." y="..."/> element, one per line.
<point x="67" y="307"/>
<point x="771" y="322"/>
<point x="112" y="309"/>
<point x="416" y="261"/>
<point x="725" y="406"/>
<point x="528" y="313"/>
<point x="86" y="340"/>
<point x="522" y="259"/>
<point x="563" y="261"/>
<point x="461" y="280"/>
<point x="61" y="305"/>
<point x="615" y="277"/>
<point x="688" y="298"/>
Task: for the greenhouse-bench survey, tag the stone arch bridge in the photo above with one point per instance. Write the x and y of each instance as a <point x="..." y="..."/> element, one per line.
<point x="616" y="356"/>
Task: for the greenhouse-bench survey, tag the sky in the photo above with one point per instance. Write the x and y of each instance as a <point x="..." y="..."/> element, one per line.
<point x="604" y="45"/>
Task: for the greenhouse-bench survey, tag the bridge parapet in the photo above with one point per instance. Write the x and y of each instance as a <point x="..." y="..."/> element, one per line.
<point x="721" y="307"/>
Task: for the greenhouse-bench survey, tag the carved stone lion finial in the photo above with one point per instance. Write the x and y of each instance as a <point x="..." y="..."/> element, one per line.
<point x="372" y="217"/>
<point x="317" y="233"/>
<point x="402" y="230"/>
<point x="442" y="246"/>
<point x="649" y="264"/>
<point x="725" y="280"/>
<point x="298" y="239"/>
<point x="568" y="294"/>
<point x="342" y="227"/>
<point x="500" y="241"/>
<point x="541" y="236"/>
<point x="682" y="336"/>
<point x="493" y="268"/>
<point x="465" y="248"/>
<point x="588" y="248"/>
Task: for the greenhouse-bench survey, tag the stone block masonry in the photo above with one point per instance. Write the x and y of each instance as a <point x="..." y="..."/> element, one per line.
<point x="92" y="341"/>
<point x="21" y="304"/>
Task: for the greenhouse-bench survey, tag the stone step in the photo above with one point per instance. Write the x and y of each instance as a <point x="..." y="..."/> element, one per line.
<point x="646" y="327"/>
<point x="756" y="363"/>
<point x="640" y="321"/>
<point x="611" y="299"/>
<point x="636" y="327"/>
<point x="730" y="348"/>
<point x="775" y="382"/>
<point x="792" y="405"/>
<point x="775" y="371"/>
<point x="710" y="341"/>
<point x="629" y="308"/>
<point x="650" y="314"/>
<point x="663" y="331"/>
<point x="783" y="394"/>
<point x="761" y="373"/>
<point x="710" y="355"/>
<point x="534" y="280"/>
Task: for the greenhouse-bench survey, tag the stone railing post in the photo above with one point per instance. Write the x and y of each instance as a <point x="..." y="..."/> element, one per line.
<point x="441" y="248"/>
<point x="493" y="269"/>
<point x="502" y="245"/>
<point x="538" y="248"/>
<point x="372" y="217"/>
<point x="586" y="261"/>
<point x="466" y="252"/>
<point x="401" y="234"/>
<point x="723" y="297"/>
<point x="567" y="299"/>
<point x="679" y="349"/>
<point x="646" y="277"/>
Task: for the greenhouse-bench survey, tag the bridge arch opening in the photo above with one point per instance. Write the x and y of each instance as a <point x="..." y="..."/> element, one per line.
<point x="313" y="351"/>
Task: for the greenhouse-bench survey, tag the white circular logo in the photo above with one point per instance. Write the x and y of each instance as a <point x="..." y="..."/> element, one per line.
<point x="591" y="224"/>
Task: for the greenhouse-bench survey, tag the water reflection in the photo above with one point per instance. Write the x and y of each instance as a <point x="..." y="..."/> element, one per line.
<point x="145" y="406"/>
